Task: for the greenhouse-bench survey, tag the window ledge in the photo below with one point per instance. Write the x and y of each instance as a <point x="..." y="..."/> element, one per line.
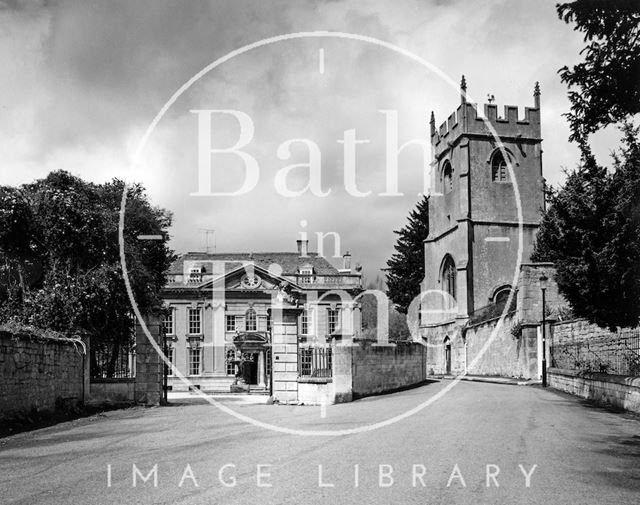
<point x="315" y="380"/>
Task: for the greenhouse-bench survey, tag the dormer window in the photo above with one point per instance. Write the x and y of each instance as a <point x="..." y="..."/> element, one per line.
<point x="195" y="274"/>
<point x="306" y="275"/>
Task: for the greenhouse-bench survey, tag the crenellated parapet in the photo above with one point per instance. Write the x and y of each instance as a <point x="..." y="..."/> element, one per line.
<point x="510" y="122"/>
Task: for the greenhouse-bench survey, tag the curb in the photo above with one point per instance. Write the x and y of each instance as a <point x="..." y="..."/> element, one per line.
<point x="492" y="380"/>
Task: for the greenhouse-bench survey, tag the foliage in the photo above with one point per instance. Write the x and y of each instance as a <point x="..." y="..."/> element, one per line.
<point x="405" y="268"/>
<point x="516" y="329"/>
<point x="70" y="228"/>
<point x="592" y="234"/>
<point x="608" y="87"/>
<point x="398" y="328"/>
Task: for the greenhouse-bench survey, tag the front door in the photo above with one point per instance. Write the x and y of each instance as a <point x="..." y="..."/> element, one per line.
<point x="250" y="368"/>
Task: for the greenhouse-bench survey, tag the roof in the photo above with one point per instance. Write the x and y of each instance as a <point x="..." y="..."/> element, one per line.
<point x="289" y="261"/>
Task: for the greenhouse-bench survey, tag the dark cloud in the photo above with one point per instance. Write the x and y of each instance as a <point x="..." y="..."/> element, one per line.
<point x="81" y="81"/>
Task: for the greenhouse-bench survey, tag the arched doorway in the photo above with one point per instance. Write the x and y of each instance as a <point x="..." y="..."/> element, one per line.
<point x="447" y="355"/>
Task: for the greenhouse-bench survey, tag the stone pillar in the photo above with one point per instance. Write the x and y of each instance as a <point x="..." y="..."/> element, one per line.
<point x="207" y="347"/>
<point x="148" y="387"/>
<point x="341" y="389"/>
<point x="284" y="331"/>
<point x="218" y="328"/>
<point x="261" y="383"/>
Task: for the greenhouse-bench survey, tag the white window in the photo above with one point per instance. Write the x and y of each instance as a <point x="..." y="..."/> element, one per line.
<point x="231" y="323"/>
<point x="333" y="320"/>
<point x="251" y="320"/>
<point x="306" y="275"/>
<point x="167" y="323"/>
<point x="194" y="360"/>
<point x="195" y="323"/>
<point x="305" y="322"/>
<point x="195" y="274"/>
<point x="230" y="355"/>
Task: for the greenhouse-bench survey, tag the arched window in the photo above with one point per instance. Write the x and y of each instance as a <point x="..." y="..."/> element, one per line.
<point x="449" y="276"/>
<point x="499" y="171"/>
<point x="502" y="294"/>
<point x="251" y="322"/>
<point x="447" y="178"/>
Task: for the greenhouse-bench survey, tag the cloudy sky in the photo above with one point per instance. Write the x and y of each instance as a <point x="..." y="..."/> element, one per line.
<point x="80" y="83"/>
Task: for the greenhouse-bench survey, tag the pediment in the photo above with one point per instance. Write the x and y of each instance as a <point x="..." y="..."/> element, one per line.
<point x="247" y="278"/>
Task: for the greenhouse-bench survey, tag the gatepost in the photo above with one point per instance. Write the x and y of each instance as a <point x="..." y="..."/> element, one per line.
<point x="149" y="364"/>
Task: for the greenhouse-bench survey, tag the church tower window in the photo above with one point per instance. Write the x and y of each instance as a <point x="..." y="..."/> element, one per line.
<point x="449" y="276"/>
<point x="447" y="178"/>
<point x="499" y="171"/>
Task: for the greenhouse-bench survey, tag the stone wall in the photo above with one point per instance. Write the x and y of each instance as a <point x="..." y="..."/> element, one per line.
<point x="530" y="293"/>
<point x="381" y="368"/>
<point x="111" y="391"/>
<point x="505" y="354"/>
<point x="40" y="373"/>
<point x="611" y="390"/>
<point x="365" y="369"/>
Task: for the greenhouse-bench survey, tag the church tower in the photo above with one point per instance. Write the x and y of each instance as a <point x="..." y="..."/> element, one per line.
<point x="471" y="252"/>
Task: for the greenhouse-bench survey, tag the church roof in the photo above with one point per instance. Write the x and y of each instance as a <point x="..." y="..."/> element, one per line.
<point x="290" y="262"/>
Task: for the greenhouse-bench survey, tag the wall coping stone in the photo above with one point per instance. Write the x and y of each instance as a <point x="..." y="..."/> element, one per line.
<point x="112" y="380"/>
<point x="626" y="380"/>
<point x="315" y="380"/>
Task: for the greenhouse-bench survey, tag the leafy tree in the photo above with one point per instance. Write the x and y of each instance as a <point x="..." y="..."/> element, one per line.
<point x="608" y="87"/>
<point x="15" y="232"/>
<point x="405" y="268"/>
<point x="591" y="233"/>
<point x="73" y="232"/>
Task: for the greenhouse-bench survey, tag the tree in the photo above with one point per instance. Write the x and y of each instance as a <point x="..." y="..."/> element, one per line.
<point x="608" y="87"/>
<point x="405" y="268"/>
<point x="591" y="233"/>
<point x="16" y="223"/>
<point x="73" y="234"/>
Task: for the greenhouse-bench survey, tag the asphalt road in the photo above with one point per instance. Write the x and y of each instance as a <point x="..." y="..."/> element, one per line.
<point x="477" y="434"/>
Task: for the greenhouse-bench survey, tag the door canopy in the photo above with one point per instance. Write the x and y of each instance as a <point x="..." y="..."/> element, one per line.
<point x="253" y="341"/>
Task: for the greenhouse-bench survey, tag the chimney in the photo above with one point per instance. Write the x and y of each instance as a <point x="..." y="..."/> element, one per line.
<point x="346" y="261"/>
<point x="303" y="248"/>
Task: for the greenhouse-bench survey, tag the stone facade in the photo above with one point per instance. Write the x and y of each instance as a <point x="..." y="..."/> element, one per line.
<point x="485" y="207"/>
<point x="506" y="346"/>
<point x="254" y="312"/>
<point x="40" y="373"/>
<point x="475" y="206"/>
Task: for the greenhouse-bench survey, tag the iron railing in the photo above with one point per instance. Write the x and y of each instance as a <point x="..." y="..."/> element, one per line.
<point x="612" y="353"/>
<point x="314" y="362"/>
<point x="103" y="366"/>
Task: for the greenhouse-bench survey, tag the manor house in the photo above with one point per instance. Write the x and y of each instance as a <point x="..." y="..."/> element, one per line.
<point x="222" y="309"/>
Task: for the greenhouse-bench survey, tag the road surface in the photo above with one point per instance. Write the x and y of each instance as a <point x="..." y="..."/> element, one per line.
<point x="479" y="443"/>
